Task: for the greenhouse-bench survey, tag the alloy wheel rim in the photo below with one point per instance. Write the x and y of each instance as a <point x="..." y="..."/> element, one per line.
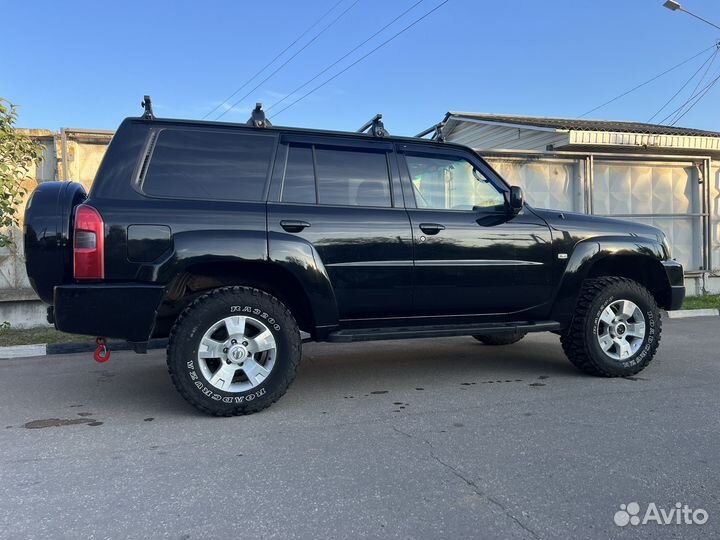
<point x="237" y="353"/>
<point x="621" y="329"/>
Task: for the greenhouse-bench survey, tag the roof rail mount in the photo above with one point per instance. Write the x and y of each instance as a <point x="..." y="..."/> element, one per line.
<point x="257" y="117"/>
<point x="437" y="130"/>
<point x="146" y="104"/>
<point x="377" y="128"/>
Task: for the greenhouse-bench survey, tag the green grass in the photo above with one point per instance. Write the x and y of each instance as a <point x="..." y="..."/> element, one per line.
<point x="701" y="302"/>
<point x="32" y="336"/>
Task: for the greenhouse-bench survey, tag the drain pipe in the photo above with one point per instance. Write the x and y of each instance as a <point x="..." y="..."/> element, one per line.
<point x="64" y="153"/>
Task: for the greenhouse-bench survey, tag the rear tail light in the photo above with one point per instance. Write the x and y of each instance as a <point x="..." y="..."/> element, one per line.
<point x="89" y="244"/>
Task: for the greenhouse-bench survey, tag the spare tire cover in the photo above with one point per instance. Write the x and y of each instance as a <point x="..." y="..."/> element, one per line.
<point x="48" y="235"/>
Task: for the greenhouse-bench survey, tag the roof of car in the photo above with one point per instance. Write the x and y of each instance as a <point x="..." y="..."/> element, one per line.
<point x="299" y="130"/>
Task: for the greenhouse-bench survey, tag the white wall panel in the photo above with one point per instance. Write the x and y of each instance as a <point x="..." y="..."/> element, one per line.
<point x="715" y="216"/>
<point x="547" y="183"/>
<point x="639" y="188"/>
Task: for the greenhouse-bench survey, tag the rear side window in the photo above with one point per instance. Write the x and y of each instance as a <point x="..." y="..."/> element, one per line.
<point x="338" y="176"/>
<point x="299" y="184"/>
<point x="352" y="178"/>
<point x="209" y="165"/>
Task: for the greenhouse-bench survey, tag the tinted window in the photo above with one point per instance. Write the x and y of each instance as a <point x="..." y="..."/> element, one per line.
<point x="347" y="177"/>
<point x="451" y="184"/>
<point x="209" y="165"/>
<point x="299" y="183"/>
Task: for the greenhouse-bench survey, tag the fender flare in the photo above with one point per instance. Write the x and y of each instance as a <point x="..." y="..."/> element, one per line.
<point x="585" y="255"/>
<point x="300" y="258"/>
<point x="291" y="253"/>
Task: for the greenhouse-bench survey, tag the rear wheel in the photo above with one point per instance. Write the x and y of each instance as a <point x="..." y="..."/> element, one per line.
<point x="499" y="339"/>
<point x="234" y="351"/>
<point x="616" y="328"/>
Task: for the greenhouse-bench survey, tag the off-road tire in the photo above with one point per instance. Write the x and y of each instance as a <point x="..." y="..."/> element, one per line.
<point x="196" y="319"/>
<point x="580" y="342"/>
<point x="499" y="339"/>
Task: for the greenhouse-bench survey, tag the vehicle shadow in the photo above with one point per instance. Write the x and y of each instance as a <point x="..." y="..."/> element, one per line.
<point x="141" y="385"/>
<point x="439" y="360"/>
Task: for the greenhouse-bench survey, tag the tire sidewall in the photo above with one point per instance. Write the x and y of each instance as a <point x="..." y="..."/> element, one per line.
<point x="649" y="343"/>
<point x="184" y="351"/>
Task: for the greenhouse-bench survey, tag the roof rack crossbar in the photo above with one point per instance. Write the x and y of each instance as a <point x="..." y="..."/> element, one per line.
<point x="377" y="128"/>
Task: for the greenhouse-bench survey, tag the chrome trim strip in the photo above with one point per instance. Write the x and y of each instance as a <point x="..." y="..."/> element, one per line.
<point x="441" y="262"/>
<point x="372" y="263"/>
<point x="476" y="262"/>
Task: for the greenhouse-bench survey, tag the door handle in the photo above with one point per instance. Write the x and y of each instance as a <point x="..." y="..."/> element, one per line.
<point x="294" y="225"/>
<point x="431" y="228"/>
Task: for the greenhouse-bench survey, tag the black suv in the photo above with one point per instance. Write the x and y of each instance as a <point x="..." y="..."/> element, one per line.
<point x="232" y="239"/>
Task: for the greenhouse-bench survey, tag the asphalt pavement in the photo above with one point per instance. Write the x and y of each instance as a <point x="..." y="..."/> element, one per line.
<point x="434" y="438"/>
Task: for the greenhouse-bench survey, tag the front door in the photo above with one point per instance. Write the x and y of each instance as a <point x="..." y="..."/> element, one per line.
<point x="341" y="200"/>
<point x="472" y="256"/>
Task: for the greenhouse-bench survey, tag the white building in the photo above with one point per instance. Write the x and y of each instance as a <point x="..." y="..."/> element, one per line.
<point x="665" y="176"/>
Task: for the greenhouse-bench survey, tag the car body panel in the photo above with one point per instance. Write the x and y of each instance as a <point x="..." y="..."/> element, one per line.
<point x="355" y="265"/>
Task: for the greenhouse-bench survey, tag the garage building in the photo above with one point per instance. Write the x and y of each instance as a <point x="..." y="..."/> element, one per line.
<point x="664" y="176"/>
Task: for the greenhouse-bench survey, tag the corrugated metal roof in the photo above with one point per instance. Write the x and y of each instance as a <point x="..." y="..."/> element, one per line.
<point x="574" y="124"/>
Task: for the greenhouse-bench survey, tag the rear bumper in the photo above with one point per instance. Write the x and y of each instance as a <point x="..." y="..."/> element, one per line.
<point x="124" y="311"/>
<point x="676" y="279"/>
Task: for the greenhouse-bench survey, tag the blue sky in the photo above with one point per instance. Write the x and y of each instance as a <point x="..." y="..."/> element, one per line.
<point x="87" y="64"/>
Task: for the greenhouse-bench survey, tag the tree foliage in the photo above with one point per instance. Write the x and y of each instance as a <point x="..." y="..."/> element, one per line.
<point x="18" y="154"/>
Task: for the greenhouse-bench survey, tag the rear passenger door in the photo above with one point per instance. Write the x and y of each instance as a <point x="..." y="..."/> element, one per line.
<point x="343" y="196"/>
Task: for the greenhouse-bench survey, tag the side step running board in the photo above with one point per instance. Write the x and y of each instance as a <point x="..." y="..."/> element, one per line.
<point x="411" y="332"/>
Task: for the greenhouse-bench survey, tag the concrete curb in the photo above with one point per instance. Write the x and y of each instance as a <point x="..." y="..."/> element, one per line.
<point x="687" y="313"/>
<point x="48" y="349"/>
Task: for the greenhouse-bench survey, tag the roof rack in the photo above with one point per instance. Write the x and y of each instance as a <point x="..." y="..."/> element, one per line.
<point x="146" y="104"/>
<point x="377" y="128"/>
<point x="437" y="130"/>
<point x="257" y="117"/>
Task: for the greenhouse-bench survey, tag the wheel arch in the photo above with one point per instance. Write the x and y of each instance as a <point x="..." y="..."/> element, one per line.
<point x="198" y="278"/>
<point x="634" y="258"/>
<point x="642" y="268"/>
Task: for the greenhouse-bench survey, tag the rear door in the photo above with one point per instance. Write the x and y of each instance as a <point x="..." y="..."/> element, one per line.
<point x="471" y="256"/>
<point x="343" y="196"/>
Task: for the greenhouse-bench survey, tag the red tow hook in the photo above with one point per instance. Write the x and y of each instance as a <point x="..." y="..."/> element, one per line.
<point x="101" y="354"/>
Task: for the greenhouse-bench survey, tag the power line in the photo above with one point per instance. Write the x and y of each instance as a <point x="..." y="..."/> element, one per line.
<point x="702" y="79"/>
<point x="709" y="62"/>
<point x="646" y="82"/>
<point x="717" y="49"/>
<point x="271" y="62"/>
<point x="345" y="55"/>
<point x="361" y="58"/>
<point x="695" y="99"/>
<point x="289" y="59"/>
<point x="675" y="111"/>
<point x="709" y="87"/>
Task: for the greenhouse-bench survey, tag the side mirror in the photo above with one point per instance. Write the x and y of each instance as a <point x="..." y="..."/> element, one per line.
<point x="517" y="199"/>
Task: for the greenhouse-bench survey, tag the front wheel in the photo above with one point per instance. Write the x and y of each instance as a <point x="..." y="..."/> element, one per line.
<point x="616" y="328"/>
<point x="234" y="350"/>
